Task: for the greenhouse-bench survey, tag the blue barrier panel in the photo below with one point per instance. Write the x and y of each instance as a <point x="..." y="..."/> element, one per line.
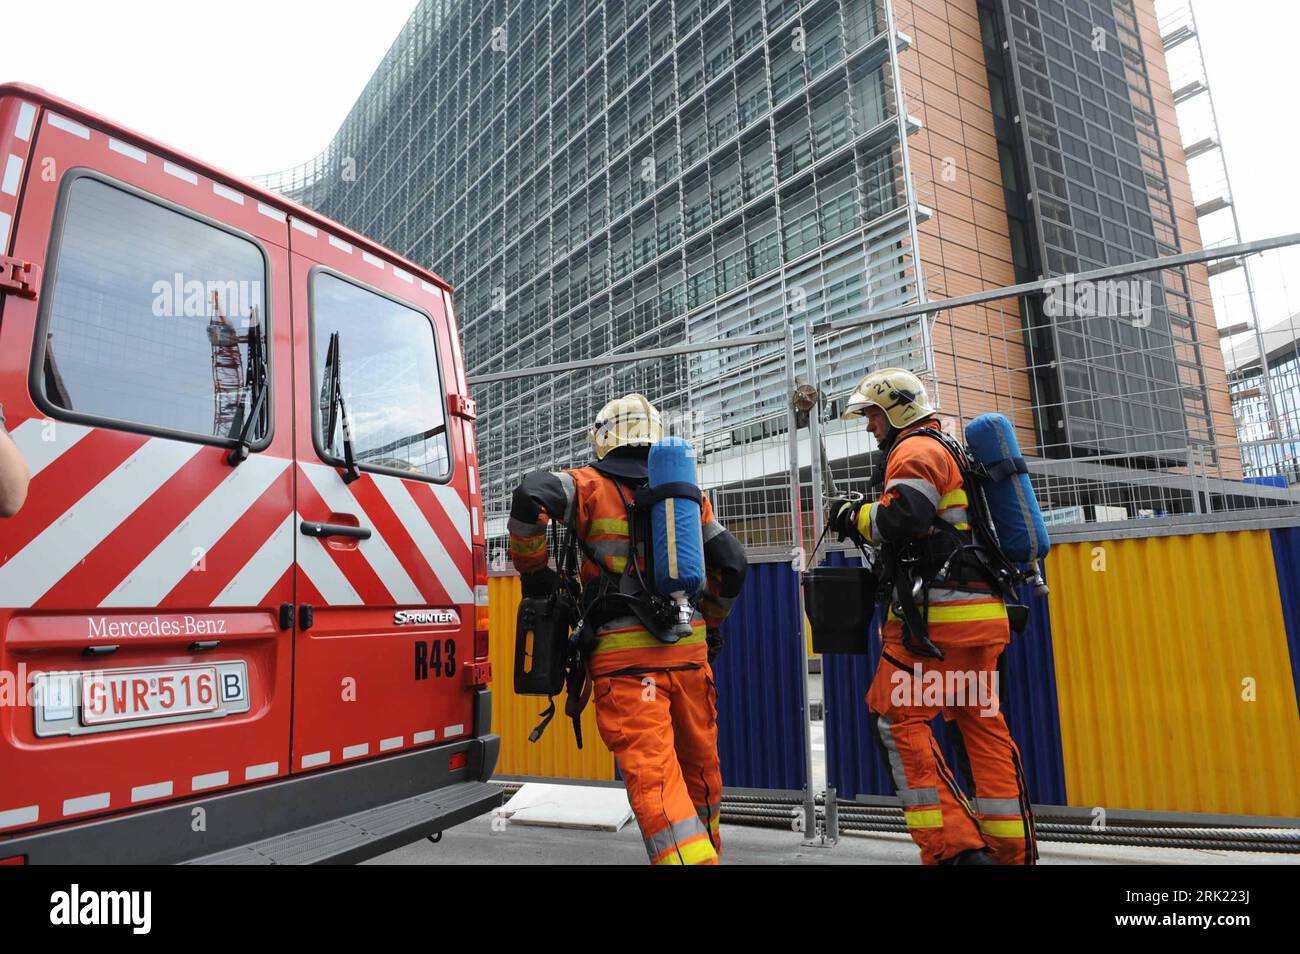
<point x="760" y="712"/>
<point x="856" y="763"/>
<point x="1286" y="557"/>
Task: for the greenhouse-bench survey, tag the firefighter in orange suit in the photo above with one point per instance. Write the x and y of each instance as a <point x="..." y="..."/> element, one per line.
<point x="945" y="617"/>
<point x="655" y="700"/>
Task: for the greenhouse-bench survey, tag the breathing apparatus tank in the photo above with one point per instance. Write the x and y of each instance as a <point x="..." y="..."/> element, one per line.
<point x="676" y="543"/>
<point x="1012" y="506"/>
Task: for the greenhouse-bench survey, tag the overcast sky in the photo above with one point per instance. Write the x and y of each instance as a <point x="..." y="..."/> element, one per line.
<point x="256" y="87"/>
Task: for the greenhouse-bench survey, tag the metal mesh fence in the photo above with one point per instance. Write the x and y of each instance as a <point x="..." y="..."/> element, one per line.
<point x="725" y="400"/>
<point x="1133" y="396"/>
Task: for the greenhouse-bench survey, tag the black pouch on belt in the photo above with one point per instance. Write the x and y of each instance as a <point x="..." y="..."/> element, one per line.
<point x="541" y="644"/>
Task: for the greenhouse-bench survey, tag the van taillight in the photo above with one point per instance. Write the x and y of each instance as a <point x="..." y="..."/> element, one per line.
<point x="458" y="761"/>
<point x="481" y="620"/>
<point x="14" y="860"/>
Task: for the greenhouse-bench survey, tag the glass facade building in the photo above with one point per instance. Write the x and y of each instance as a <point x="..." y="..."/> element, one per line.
<point x="628" y="174"/>
<point x="606" y="175"/>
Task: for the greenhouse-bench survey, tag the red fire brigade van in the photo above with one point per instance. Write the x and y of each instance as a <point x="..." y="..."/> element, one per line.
<point x="243" y="612"/>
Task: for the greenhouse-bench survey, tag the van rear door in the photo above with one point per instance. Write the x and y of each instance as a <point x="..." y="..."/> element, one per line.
<point x="141" y="585"/>
<point x="384" y="564"/>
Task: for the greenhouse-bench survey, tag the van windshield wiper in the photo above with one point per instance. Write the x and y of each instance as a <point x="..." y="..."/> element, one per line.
<point x="335" y="410"/>
<point x="241" y="428"/>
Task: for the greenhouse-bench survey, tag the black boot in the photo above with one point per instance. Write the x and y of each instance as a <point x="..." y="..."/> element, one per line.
<point x="971" y="856"/>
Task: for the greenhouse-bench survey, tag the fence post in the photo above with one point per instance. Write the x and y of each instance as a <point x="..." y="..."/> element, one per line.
<point x="816" y="461"/>
<point x="797" y="557"/>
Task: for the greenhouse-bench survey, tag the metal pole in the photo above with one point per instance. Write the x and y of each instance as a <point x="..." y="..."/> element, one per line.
<point x="1191" y="479"/>
<point x="1035" y="287"/>
<point x="830" y="831"/>
<point x="797" y="558"/>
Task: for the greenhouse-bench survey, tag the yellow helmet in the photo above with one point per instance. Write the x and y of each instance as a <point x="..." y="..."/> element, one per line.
<point x="900" y="394"/>
<point x="628" y="421"/>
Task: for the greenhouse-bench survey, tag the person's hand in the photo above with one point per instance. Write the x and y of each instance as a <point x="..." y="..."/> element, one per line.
<point x="713" y="637"/>
<point x="842" y="518"/>
<point x="540" y="583"/>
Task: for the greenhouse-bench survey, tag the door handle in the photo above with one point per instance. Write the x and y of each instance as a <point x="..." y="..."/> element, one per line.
<point x="312" y="528"/>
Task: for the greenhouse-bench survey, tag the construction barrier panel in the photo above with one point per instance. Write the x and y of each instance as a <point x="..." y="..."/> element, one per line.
<point x="760" y="712"/>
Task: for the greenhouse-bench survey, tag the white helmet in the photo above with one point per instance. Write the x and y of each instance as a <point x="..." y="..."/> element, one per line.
<point x="629" y="421"/>
<point x="900" y="394"/>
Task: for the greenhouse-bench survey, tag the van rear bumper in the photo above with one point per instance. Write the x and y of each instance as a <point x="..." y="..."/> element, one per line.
<point x="345" y="814"/>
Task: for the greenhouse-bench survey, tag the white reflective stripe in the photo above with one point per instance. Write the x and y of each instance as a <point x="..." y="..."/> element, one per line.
<point x="429" y="286"/>
<point x="955" y="594"/>
<point x="13" y="817"/>
<point x="13" y="173"/>
<point x="395" y="742"/>
<point x="352" y="751"/>
<point x="454" y="507"/>
<point x="457" y="729"/>
<point x="340" y="244"/>
<point x="873" y="524"/>
<point x="374" y="260"/>
<point x="67" y="125"/>
<point x="398" y="496"/>
<point x="143" y="793"/>
<point x="426" y="735"/>
<point x="323" y="572"/>
<point x="225" y="193"/>
<point x="473" y="481"/>
<point x="86" y="803"/>
<point x="570" y="491"/>
<point x="263" y="569"/>
<point x="31" y="572"/>
<point x="711" y="530"/>
<point x="922" y="486"/>
<point x="180" y="172"/>
<point x="197" y="533"/>
<point x="265" y="770"/>
<point x="26" y="117"/>
<point x="404" y="276"/>
<point x="474" y="513"/>
<point x="912" y="797"/>
<point x="316" y="758"/>
<point x="378" y="554"/>
<point x="39" y="452"/>
<point x="954" y="515"/>
<point x="211" y="780"/>
<point x="128" y="150"/>
<point x="304" y="227"/>
<point x="6" y="220"/>
<point x="271" y="212"/>
<point x="996" y="806"/>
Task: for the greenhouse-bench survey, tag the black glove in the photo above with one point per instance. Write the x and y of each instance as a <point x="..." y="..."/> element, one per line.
<point x="842" y="518"/>
<point x="540" y="583"/>
<point x="713" y="638"/>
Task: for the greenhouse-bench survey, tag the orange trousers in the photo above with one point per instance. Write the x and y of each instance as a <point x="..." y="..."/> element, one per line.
<point x="940" y="818"/>
<point x="663" y="729"/>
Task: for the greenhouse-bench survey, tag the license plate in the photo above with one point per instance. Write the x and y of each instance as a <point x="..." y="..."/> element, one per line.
<point x="147" y="694"/>
<point x="74" y="703"/>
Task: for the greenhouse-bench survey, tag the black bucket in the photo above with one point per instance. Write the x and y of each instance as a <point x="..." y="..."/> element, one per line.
<point x="840" y="601"/>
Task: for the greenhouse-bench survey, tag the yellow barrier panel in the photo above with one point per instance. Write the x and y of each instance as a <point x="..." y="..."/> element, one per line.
<point x="555" y="755"/>
<point x="1173" y="676"/>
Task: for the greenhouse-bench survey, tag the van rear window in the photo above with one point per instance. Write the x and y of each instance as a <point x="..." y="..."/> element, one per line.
<point x="150" y="317"/>
<point x="387" y="369"/>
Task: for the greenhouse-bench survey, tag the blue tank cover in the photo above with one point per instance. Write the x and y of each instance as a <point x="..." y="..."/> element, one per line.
<point x="1013" y="507"/>
<point x="677" y="546"/>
